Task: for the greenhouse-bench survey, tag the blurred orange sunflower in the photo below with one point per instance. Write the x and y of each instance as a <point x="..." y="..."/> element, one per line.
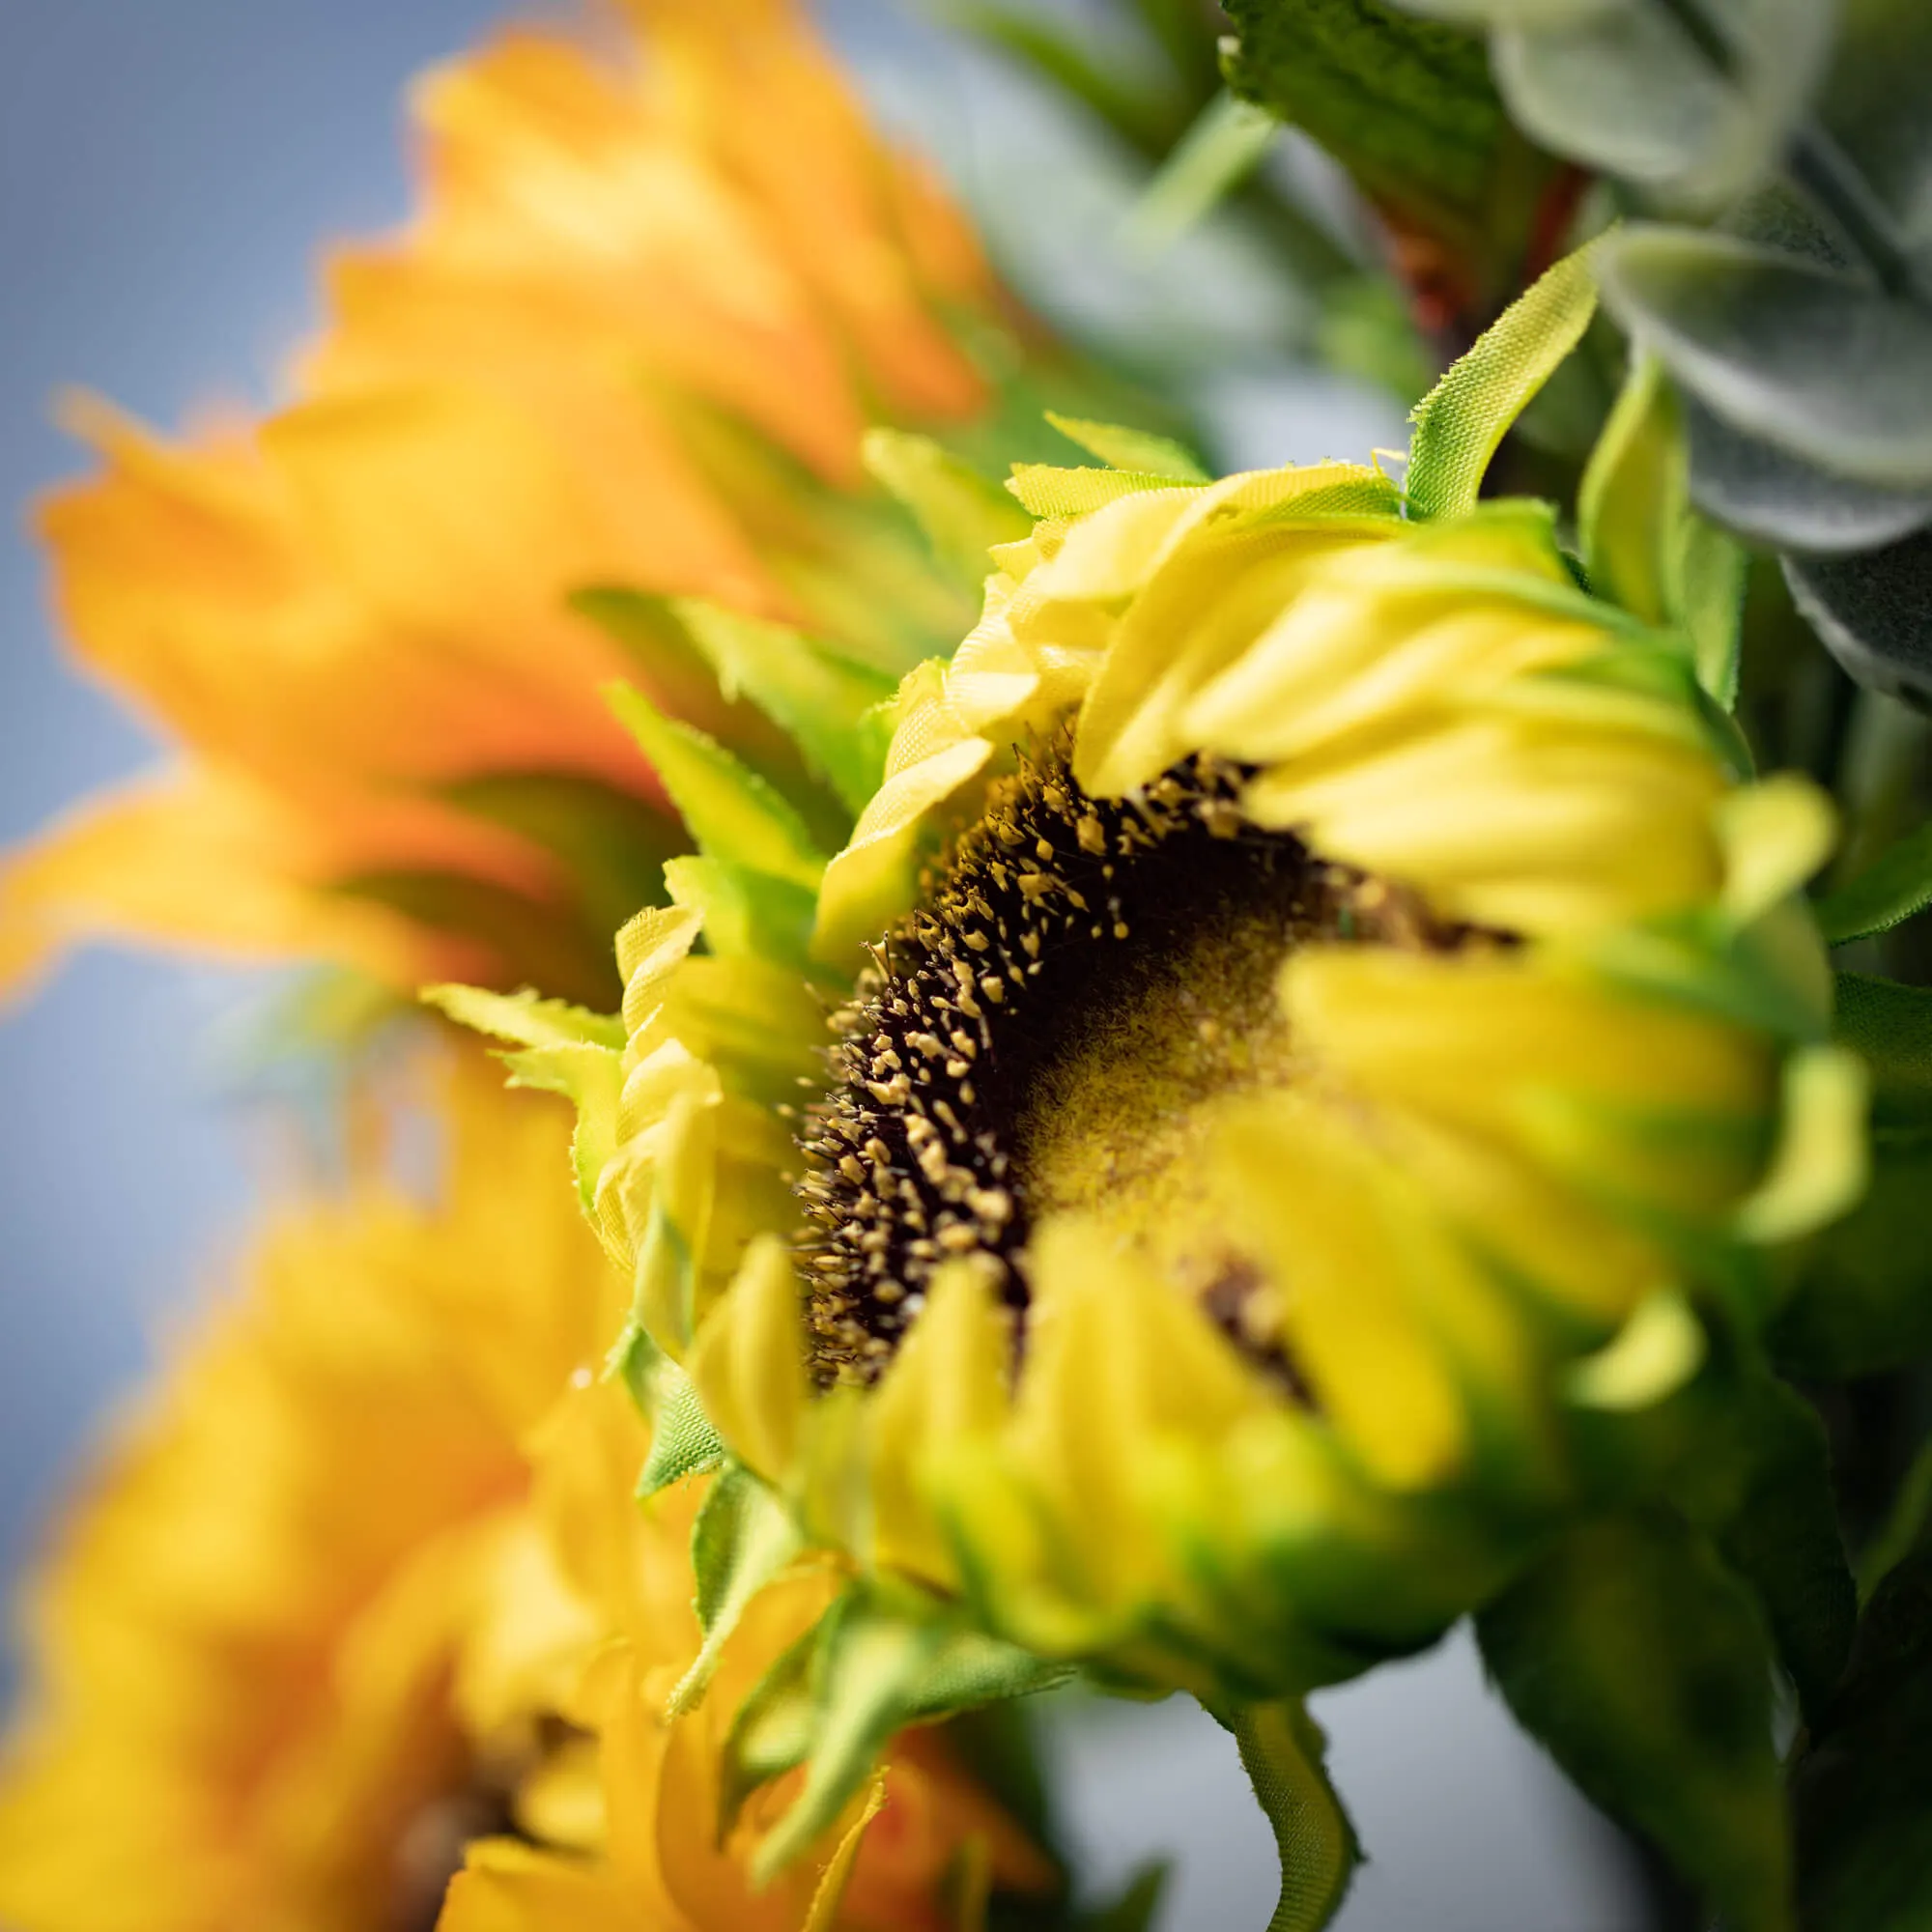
<point x="651" y="300"/>
<point x="364" y="1582"/>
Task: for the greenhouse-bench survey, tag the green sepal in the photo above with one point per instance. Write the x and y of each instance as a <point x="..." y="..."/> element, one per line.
<point x="1120" y="447"/>
<point x="683" y="1442"/>
<point x="1862" y="1791"/>
<point x="962" y="513"/>
<point x="562" y="1049"/>
<point x="748" y="915"/>
<point x="1885" y="893"/>
<point x="1461" y="421"/>
<point x="1282" y="1749"/>
<point x="1051" y="492"/>
<point x="1643" y="544"/>
<point x="833" y="1702"/>
<point x="525" y="1018"/>
<point x="1640" y="1663"/>
<point x="732" y="813"/>
<point x="828" y="703"/>
<point x="743" y="1538"/>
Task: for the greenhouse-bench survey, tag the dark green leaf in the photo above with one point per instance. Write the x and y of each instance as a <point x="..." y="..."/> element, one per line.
<point x="1874" y="614"/>
<point x="1407" y="108"/>
<point x="1884" y="894"/>
<point x="1639" y="1660"/>
<point x="1862" y="1791"/>
<point x="1863" y="1304"/>
<point x="1805" y="358"/>
<point x="1890" y="1026"/>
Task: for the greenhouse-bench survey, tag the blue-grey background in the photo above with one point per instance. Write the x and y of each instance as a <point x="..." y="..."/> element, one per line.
<point x="167" y="169"/>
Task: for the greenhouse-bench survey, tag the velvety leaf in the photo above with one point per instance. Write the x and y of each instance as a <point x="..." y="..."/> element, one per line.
<point x="1791" y="351"/>
<point x="1890" y="1026"/>
<point x="1630" y="92"/>
<point x="1777" y="499"/>
<point x="1862" y="1791"/>
<point x="1640" y="1663"/>
<point x="1874" y="613"/>
<point x="1281" y="1748"/>
<point x="1897" y="884"/>
<point x="1875" y="103"/>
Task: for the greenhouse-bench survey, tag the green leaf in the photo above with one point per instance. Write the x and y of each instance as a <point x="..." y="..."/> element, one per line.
<point x="1890" y="1026"/>
<point x="1135" y="449"/>
<point x="683" y="1442"/>
<point x="1135" y="1910"/>
<point x="1884" y="894"/>
<point x="733" y="813"/>
<point x="1773" y="497"/>
<point x="1646" y="547"/>
<point x="1222" y="148"/>
<point x="1461" y="421"/>
<point x="825" y="702"/>
<point x="1780" y="1531"/>
<point x="1862" y="1791"/>
<point x="1790" y="350"/>
<point x="1640" y="1661"/>
<point x="1407" y="108"/>
<point x="1906" y="1527"/>
<point x="1871" y="612"/>
<point x="743" y="1538"/>
<point x="1282" y="1749"/>
<point x="1629" y="91"/>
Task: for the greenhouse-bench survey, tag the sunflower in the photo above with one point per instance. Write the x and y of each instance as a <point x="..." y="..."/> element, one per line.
<point x="626" y="353"/>
<point x="1321" y="1036"/>
<point x="341" y="1603"/>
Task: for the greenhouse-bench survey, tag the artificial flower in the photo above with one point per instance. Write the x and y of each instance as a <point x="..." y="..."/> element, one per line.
<point x="626" y="352"/>
<point x="341" y="1601"/>
<point x="1317" y="1022"/>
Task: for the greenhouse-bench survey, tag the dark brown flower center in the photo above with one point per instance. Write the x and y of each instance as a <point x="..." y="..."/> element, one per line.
<point x="1041" y="1030"/>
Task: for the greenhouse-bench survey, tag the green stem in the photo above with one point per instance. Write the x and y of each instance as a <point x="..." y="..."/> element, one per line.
<point x="1281" y="1749"/>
